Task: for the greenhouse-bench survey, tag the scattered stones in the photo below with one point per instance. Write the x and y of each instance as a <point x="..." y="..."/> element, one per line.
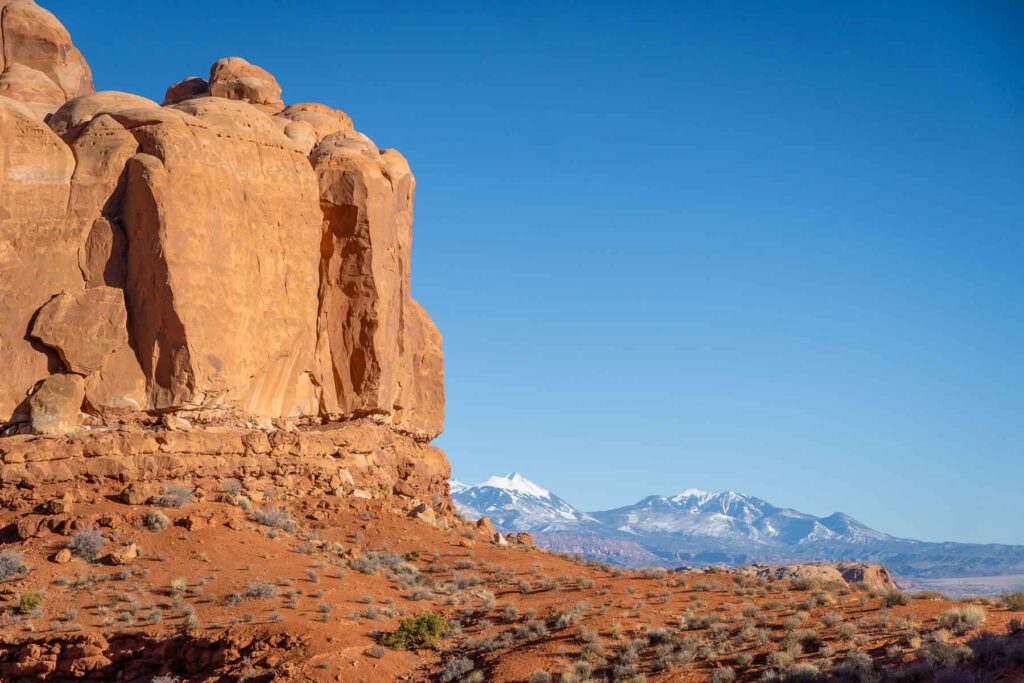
<point x="124" y="555"/>
<point x="176" y="424"/>
<point x="62" y="505"/>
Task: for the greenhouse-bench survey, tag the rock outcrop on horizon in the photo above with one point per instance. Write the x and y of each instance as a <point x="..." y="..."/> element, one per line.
<point x="220" y="256"/>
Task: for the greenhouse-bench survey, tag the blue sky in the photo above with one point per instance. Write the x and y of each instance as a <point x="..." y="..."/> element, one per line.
<point x="770" y="247"/>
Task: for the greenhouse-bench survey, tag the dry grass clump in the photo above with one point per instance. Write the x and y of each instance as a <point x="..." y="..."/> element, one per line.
<point x="961" y="620"/>
<point x="87" y="544"/>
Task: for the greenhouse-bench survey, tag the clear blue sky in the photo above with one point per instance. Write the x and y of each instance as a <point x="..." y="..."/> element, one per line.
<point x="773" y="247"/>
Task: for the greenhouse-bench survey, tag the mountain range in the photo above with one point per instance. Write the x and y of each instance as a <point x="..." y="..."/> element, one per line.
<point x="698" y="528"/>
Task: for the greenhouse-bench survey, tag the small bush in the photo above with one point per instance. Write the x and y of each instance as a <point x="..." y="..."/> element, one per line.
<point x="962" y="620"/>
<point x="1014" y="602"/>
<point x="12" y="565"/>
<point x="422" y="631"/>
<point x="455" y="669"/>
<point x="259" y="590"/>
<point x="174" y="496"/>
<point x="893" y="598"/>
<point x="723" y="675"/>
<point x="167" y="678"/>
<point x="156" y="521"/>
<point x="275" y="517"/>
<point x="540" y="677"/>
<point x="87" y="544"/>
<point x="30" y="603"/>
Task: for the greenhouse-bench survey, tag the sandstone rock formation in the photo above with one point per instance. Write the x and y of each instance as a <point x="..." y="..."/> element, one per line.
<point x="39" y="65"/>
<point x="221" y="254"/>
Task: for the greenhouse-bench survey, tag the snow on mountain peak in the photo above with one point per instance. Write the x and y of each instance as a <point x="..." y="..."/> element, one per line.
<point x="516" y="482"/>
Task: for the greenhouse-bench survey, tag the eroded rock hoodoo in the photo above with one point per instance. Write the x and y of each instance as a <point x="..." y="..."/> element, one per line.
<point x="221" y="261"/>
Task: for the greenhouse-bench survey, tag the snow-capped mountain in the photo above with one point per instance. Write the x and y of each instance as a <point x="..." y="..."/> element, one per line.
<point x="699" y="528"/>
<point x="734" y="516"/>
<point x="513" y="502"/>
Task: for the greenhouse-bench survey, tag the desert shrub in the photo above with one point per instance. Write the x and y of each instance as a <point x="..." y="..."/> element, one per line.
<point x="804" y="673"/>
<point x="780" y="659"/>
<point x="1014" y="602"/>
<point x="87" y="544"/>
<point x="173" y="496"/>
<point x="893" y="598"/>
<point x="422" y="631"/>
<point x="832" y="619"/>
<point x="964" y="619"/>
<point x="723" y="675"/>
<point x="743" y="659"/>
<point x="539" y="677"/>
<point x="1015" y="626"/>
<point x="30" y="603"/>
<point x="12" y="565"/>
<point x="946" y="653"/>
<point x="275" y="517"/>
<point x="231" y="487"/>
<point x="373" y="561"/>
<point x="258" y="590"/>
<point x="804" y="584"/>
<point x="846" y="631"/>
<point x="166" y="678"/>
<point x="571" y="615"/>
<point x="455" y="669"/>
<point x="156" y="521"/>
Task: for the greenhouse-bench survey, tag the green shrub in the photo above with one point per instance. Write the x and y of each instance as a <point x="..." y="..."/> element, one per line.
<point x="422" y="631"/>
<point x="29" y="603"/>
<point x="156" y="521"/>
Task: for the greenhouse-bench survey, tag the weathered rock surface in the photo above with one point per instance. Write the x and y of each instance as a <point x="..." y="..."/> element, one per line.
<point x="234" y="78"/>
<point x="378" y="351"/>
<point x="38" y="253"/>
<point x="55" y="405"/>
<point x="84" y="328"/>
<point x="259" y="253"/>
<point x="39" y="65"/>
<point x="186" y="89"/>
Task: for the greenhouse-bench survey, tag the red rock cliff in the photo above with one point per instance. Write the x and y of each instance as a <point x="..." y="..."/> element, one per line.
<point x="220" y="254"/>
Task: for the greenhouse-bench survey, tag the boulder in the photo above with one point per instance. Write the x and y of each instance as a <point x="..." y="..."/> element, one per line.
<point x="234" y="78"/>
<point x="125" y="554"/>
<point x="186" y="89"/>
<point x="56" y="403"/>
<point x="84" y="327"/>
<point x="39" y="65"/>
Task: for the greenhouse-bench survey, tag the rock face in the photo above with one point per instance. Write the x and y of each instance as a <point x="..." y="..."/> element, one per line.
<point x="84" y="328"/>
<point x="39" y="65"/>
<point x="223" y="252"/>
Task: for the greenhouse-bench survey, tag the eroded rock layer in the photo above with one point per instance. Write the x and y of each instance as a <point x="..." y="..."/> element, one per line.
<point x="222" y="252"/>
